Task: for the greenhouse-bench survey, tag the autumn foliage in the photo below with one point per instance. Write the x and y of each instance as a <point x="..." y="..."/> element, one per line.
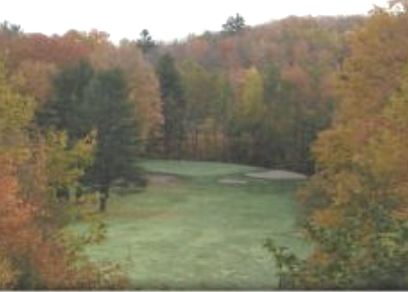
<point x="358" y="198"/>
<point x="32" y="253"/>
<point x="327" y="96"/>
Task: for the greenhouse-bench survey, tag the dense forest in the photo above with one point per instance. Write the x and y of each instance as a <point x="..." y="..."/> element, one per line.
<point x="324" y="96"/>
<point x="257" y="95"/>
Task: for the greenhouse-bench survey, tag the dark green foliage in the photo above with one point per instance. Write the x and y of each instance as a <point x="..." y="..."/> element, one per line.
<point x="379" y="263"/>
<point x="111" y="113"/>
<point x="350" y="256"/>
<point x="234" y="24"/>
<point x="173" y="105"/>
<point x="145" y="42"/>
<point x="286" y="262"/>
<point x="66" y="110"/>
<point x="86" y="100"/>
<point x="10" y="28"/>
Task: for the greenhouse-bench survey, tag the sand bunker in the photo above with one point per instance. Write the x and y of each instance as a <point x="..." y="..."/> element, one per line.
<point x="233" y="181"/>
<point x="277" y="175"/>
<point x="162" y="179"/>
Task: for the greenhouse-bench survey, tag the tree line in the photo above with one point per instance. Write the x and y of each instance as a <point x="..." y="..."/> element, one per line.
<point x="254" y="95"/>
<point x="77" y="111"/>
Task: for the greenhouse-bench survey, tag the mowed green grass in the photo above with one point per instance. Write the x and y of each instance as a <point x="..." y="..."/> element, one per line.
<point x="195" y="169"/>
<point x="193" y="232"/>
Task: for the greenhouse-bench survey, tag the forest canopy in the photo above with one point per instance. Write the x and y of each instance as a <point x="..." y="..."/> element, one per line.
<point x="323" y="96"/>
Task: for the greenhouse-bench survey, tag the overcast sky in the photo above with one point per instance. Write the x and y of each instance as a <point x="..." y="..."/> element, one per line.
<point x="165" y="19"/>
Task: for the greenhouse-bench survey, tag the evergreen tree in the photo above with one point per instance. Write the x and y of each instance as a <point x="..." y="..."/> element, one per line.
<point x="64" y="111"/>
<point x="10" y="28"/>
<point x="173" y="105"/>
<point x="87" y="101"/>
<point x="145" y="42"/>
<point x="234" y="24"/>
<point x="112" y="115"/>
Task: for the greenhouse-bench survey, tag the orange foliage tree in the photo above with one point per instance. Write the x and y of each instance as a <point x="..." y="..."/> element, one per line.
<point x="33" y="252"/>
<point x="358" y="198"/>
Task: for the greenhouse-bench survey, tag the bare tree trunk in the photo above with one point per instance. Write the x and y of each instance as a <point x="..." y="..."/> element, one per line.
<point x="196" y="155"/>
<point x="103" y="200"/>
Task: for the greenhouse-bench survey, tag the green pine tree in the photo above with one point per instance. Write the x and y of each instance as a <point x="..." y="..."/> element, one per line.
<point x="87" y="101"/>
<point x="112" y="115"/>
<point x="173" y="105"/>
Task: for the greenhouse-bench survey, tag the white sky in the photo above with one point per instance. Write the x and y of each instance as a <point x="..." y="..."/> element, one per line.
<point x="165" y="19"/>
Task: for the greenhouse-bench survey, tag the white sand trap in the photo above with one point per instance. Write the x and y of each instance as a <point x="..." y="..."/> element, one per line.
<point x="233" y="181"/>
<point x="277" y="175"/>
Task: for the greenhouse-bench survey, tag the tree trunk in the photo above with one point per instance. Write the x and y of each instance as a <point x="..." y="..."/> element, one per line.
<point x="103" y="200"/>
<point x="78" y="194"/>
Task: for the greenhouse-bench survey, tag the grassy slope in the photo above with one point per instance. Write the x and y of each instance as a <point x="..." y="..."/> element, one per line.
<point x="199" y="234"/>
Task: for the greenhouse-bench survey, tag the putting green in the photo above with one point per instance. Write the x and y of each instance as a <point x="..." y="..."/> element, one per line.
<point x="197" y="233"/>
<point x="195" y="169"/>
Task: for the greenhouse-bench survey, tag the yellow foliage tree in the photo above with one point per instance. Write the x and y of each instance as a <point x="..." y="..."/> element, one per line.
<point x="32" y="254"/>
<point x="359" y="197"/>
